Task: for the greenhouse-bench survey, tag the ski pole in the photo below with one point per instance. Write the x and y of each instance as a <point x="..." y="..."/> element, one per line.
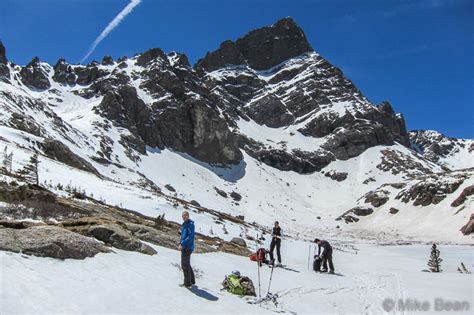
<point x="270" y="282"/>
<point x="258" y="271"/>
<point x="309" y="254"/>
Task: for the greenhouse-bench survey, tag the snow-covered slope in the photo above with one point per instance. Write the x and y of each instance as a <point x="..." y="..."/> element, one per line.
<point x="132" y="283"/>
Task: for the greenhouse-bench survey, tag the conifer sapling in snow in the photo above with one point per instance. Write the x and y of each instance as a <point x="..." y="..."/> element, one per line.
<point x="30" y="172"/>
<point x="435" y="261"/>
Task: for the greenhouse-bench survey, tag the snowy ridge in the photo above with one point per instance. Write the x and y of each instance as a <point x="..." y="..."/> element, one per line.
<point x="450" y="152"/>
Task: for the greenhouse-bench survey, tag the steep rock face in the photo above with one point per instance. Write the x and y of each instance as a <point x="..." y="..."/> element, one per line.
<point x="305" y="91"/>
<point x="34" y="76"/>
<point x="297" y="161"/>
<point x="190" y="126"/>
<point x="261" y="49"/>
<point x="3" y="54"/>
<point x="127" y="110"/>
<point x="196" y="129"/>
<point x="4" y="71"/>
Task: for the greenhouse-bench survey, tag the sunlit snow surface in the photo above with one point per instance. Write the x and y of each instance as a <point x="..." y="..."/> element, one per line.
<point x="132" y="283"/>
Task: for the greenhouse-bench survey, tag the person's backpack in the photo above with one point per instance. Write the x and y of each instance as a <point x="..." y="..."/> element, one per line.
<point x="317" y="264"/>
<point x="234" y="286"/>
<point x="261" y="255"/>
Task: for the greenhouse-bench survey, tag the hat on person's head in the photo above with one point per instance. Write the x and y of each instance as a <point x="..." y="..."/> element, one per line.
<point x="236" y="272"/>
<point x="316" y="240"/>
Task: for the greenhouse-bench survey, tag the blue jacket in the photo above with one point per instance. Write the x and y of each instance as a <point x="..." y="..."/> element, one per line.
<point x="187" y="235"/>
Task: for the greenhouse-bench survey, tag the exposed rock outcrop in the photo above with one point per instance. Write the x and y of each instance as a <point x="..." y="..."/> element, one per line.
<point x="49" y="241"/>
<point x="468" y="228"/>
<point x="33" y="75"/>
<point x="59" y="151"/>
<point x="115" y="236"/>
<point x="352" y="215"/>
<point x="4" y="70"/>
<point x="468" y="191"/>
<point x="377" y="198"/>
<point x="3" y="54"/>
<point x="261" y="49"/>
<point x="64" y="73"/>
<point x="431" y="190"/>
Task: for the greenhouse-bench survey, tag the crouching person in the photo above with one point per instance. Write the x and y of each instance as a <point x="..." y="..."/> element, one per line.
<point x="325" y="255"/>
<point x="239" y="285"/>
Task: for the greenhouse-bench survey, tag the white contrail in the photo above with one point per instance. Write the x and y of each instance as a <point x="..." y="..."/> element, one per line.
<point x="115" y="22"/>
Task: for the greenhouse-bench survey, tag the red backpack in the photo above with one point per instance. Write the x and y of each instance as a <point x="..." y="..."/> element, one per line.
<point x="260" y="255"/>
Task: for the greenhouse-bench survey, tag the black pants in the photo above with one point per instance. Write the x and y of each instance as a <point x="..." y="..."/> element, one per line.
<point x="186" y="266"/>
<point x="327" y="258"/>
<point x="275" y="243"/>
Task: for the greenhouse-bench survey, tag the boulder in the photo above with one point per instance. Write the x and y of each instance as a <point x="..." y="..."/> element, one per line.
<point x="195" y="203"/>
<point x="236" y="196"/>
<point x="239" y="241"/>
<point x="118" y="237"/>
<point x="393" y="211"/>
<point x="49" y="241"/>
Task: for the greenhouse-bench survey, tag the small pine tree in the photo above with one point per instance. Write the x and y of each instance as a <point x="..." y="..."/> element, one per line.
<point x="435" y="261"/>
<point x="6" y="167"/>
<point x="29" y="173"/>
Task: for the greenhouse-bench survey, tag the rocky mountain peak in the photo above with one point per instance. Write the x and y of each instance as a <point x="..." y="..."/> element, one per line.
<point x="150" y="55"/>
<point x="4" y="71"/>
<point x="34" y="76"/>
<point x="260" y="49"/>
<point x="3" y="55"/>
<point x="107" y="61"/>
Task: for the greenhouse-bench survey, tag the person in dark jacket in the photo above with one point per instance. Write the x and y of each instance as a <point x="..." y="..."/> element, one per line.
<point x="186" y="246"/>
<point x="325" y="254"/>
<point x="277" y="234"/>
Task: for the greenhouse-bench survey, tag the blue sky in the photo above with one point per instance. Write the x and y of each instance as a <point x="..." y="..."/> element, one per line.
<point x="416" y="54"/>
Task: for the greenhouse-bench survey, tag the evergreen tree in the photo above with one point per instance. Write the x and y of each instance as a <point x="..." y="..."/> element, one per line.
<point x="6" y="166"/>
<point x="29" y="173"/>
<point x="435" y="261"/>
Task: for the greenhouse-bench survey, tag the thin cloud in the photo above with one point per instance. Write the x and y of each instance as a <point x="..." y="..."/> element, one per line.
<point x="115" y="22"/>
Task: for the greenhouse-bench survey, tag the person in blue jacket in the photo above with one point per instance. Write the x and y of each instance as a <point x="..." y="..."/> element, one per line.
<point x="186" y="246"/>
